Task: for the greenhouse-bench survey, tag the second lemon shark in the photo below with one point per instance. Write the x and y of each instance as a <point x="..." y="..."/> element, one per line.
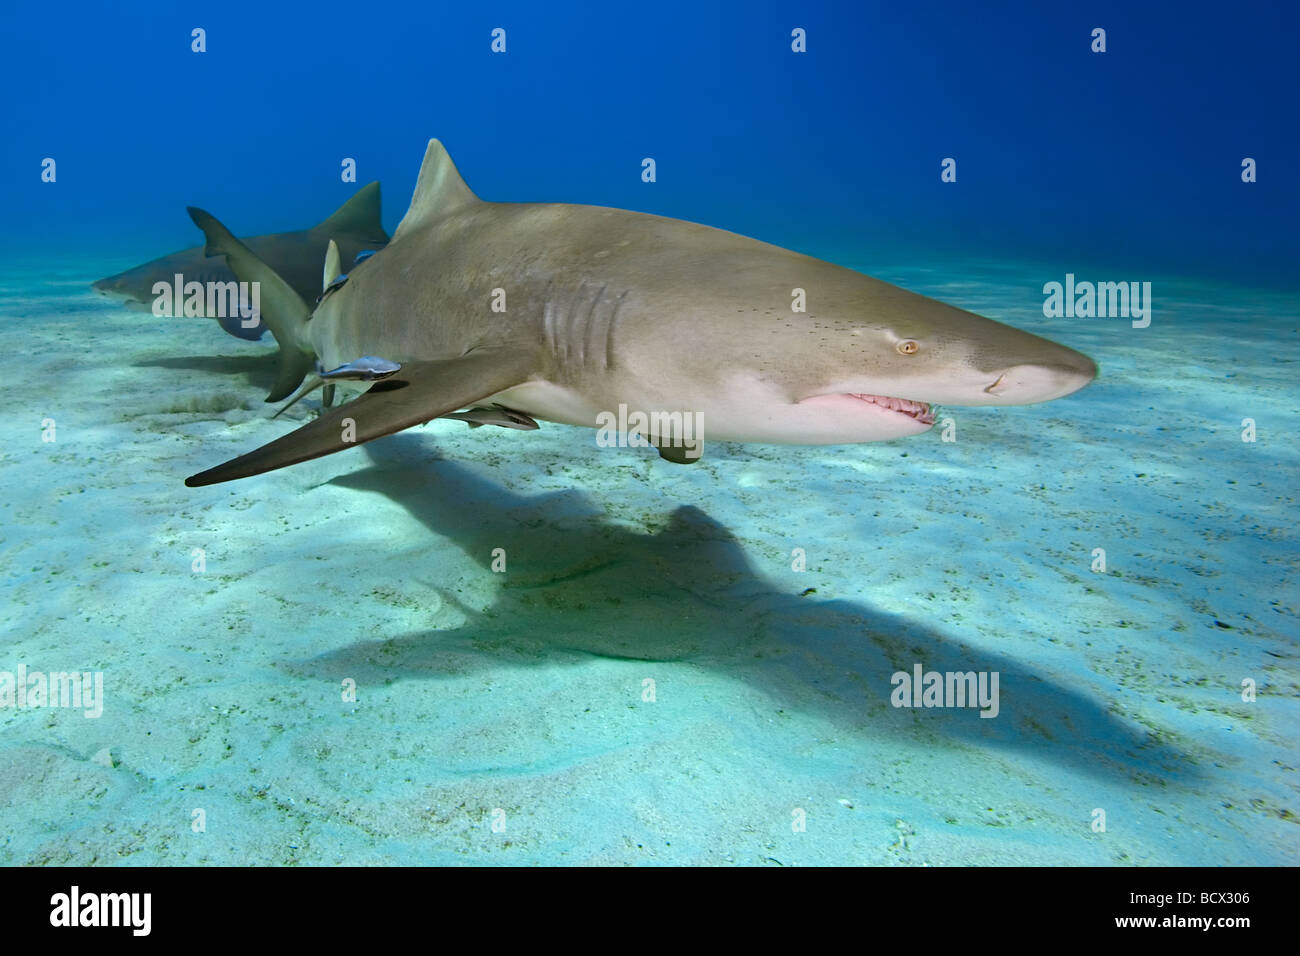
<point x="296" y="256"/>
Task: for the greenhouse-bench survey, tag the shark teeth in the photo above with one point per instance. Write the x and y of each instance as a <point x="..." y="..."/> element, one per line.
<point x="918" y="410"/>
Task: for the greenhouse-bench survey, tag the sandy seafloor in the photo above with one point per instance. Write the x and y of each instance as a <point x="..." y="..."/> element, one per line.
<point x="522" y="691"/>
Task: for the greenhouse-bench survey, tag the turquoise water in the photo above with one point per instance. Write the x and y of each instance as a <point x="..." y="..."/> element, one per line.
<point x="520" y="699"/>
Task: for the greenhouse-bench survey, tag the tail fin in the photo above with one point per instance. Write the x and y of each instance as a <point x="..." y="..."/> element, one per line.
<point x="283" y="310"/>
<point x="360" y="216"/>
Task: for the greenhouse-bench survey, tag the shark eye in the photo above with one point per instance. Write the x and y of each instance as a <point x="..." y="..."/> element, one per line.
<point x="908" y="347"/>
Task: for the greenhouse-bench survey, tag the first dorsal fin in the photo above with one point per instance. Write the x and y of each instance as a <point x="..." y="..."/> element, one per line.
<point x="438" y="191"/>
<point x="360" y="216"/>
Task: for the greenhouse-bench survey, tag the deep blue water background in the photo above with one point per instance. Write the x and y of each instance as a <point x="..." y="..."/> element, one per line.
<point x="1127" y="161"/>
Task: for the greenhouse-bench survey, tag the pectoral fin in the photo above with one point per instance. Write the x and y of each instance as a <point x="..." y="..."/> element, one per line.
<point x="421" y="391"/>
<point x="681" y="454"/>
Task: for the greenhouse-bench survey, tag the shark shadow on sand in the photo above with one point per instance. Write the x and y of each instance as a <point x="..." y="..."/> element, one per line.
<point x="578" y="586"/>
<point x="256" y="371"/>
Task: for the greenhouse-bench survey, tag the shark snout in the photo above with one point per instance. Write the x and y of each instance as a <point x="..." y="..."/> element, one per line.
<point x="111" y="286"/>
<point x="1042" y="381"/>
<point x="117" y="290"/>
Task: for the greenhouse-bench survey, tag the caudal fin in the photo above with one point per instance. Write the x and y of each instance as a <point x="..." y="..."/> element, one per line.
<point x="283" y="310"/>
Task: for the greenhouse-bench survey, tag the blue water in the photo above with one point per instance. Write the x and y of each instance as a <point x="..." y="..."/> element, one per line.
<point x="507" y="718"/>
<point x="1129" y="158"/>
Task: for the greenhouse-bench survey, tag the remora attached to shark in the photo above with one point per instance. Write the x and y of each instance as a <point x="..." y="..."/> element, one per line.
<point x="295" y="256"/>
<point x="606" y="307"/>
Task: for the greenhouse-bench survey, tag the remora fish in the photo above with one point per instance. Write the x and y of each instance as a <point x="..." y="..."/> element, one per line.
<point x="607" y="308"/>
<point x="296" y="256"/>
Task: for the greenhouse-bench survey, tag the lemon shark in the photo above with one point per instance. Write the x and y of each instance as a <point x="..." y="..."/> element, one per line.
<point x="572" y="314"/>
<point x="296" y="256"/>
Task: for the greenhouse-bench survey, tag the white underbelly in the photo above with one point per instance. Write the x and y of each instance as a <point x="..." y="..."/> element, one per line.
<point x="549" y="402"/>
<point x="743" y="412"/>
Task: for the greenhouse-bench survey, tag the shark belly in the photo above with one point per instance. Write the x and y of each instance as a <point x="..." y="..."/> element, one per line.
<point x="551" y="402"/>
<point x="838" y="420"/>
<point x="745" y="410"/>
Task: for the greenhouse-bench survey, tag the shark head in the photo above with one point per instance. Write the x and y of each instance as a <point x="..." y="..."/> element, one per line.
<point x="110" y="285"/>
<point x="793" y="350"/>
<point x="885" y="365"/>
<point x="123" y="290"/>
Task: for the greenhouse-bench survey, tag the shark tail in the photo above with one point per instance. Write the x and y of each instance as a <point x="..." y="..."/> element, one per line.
<point x="283" y="310"/>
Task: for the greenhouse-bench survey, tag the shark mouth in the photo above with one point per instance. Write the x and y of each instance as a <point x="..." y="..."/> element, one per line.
<point x="919" y="411"/>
